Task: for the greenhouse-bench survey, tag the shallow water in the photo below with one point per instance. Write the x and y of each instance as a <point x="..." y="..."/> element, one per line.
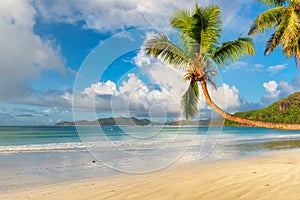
<point x="42" y="155"/>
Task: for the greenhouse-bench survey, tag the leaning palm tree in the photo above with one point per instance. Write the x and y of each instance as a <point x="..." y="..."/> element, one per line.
<point x="197" y="52"/>
<point x="284" y="16"/>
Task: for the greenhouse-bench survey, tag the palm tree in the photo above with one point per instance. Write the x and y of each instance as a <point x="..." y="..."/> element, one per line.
<point x="197" y="52"/>
<point x="284" y="16"/>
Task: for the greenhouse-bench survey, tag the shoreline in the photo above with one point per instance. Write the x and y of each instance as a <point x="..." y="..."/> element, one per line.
<point x="272" y="174"/>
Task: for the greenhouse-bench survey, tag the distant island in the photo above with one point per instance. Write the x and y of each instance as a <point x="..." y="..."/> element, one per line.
<point x="132" y="121"/>
<point x="286" y="110"/>
<point x="109" y="122"/>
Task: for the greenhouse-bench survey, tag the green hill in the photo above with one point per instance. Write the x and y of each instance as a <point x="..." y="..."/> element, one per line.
<point x="286" y="110"/>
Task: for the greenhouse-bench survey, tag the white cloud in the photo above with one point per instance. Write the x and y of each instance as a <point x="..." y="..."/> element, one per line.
<point x="277" y="68"/>
<point x="23" y="54"/>
<point x="113" y="15"/>
<point x="271" y="86"/>
<point x="107" y="88"/>
<point x="132" y="96"/>
<point x="272" y="92"/>
<point x="227" y="98"/>
<point x="277" y="90"/>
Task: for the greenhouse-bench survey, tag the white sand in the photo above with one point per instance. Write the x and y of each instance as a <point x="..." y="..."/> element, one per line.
<point x="267" y="177"/>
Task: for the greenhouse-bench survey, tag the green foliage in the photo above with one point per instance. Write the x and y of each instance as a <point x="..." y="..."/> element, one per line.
<point x="231" y="51"/>
<point x="273" y="2"/>
<point x="273" y="113"/>
<point x="190" y="99"/>
<point x="160" y="46"/>
<point x="284" y="16"/>
<point x="267" y="20"/>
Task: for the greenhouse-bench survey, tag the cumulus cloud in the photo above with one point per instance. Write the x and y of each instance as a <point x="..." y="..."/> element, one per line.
<point x="277" y="90"/>
<point x="23" y="54"/>
<point x="107" y="88"/>
<point x="135" y="97"/>
<point x="113" y="15"/>
<point x="271" y="91"/>
<point x="227" y="97"/>
<point x="132" y="96"/>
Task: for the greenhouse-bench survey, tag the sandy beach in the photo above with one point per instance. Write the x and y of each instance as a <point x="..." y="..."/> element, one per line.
<point x="269" y="176"/>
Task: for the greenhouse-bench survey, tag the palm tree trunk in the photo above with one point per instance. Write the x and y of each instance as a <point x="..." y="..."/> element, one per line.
<point x="243" y="121"/>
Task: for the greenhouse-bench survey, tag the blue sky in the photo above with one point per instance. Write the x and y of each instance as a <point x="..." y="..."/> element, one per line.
<point x="50" y="53"/>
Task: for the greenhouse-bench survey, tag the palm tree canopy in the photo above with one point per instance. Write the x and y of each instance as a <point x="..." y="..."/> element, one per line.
<point x="274" y="2"/>
<point x="284" y="16"/>
<point x="197" y="49"/>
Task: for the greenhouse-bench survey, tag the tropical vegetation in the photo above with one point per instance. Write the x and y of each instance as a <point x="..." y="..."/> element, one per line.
<point x="197" y="51"/>
<point x="284" y="17"/>
<point x="286" y="110"/>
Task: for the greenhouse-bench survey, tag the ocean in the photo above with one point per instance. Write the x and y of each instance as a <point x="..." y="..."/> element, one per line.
<point x="34" y="155"/>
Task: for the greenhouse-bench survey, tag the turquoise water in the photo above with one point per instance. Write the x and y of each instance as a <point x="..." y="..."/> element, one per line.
<point x="67" y="138"/>
<point x="42" y="155"/>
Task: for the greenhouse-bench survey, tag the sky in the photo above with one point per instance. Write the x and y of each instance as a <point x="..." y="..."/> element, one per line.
<point x="62" y="60"/>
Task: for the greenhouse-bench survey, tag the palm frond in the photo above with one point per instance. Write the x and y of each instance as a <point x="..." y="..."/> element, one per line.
<point x="273" y="2"/>
<point x="292" y="29"/>
<point x="211" y="28"/>
<point x="275" y="39"/>
<point x="295" y="4"/>
<point x="291" y="49"/>
<point x="182" y="21"/>
<point x="190" y="99"/>
<point x="192" y="48"/>
<point x="231" y="51"/>
<point x="272" y="43"/>
<point x="267" y="20"/>
<point x="209" y="71"/>
<point x="161" y="47"/>
<point x="286" y="17"/>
